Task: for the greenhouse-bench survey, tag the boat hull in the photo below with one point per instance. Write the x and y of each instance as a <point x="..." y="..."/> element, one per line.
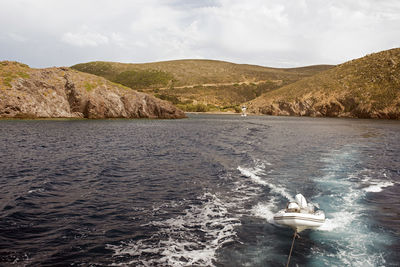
<point x="300" y="221"/>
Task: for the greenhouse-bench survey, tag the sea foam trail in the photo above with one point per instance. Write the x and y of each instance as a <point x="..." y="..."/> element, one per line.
<point x="375" y="185"/>
<point x="378" y="187"/>
<point x="337" y="220"/>
<point x="265" y="210"/>
<point x="185" y="240"/>
<point x="252" y="174"/>
<point x="347" y="227"/>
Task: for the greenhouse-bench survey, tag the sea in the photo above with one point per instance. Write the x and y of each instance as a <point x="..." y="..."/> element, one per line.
<point x="200" y="191"/>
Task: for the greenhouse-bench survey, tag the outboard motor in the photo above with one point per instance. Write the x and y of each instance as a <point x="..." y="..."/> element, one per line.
<point x="301" y="200"/>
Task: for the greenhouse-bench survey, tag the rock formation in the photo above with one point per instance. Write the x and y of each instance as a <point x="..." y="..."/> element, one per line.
<point x="67" y="93"/>
<point x="368" y="87"/>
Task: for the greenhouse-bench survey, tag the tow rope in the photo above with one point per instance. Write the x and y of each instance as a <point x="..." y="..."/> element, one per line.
<point x="291" y="248"/>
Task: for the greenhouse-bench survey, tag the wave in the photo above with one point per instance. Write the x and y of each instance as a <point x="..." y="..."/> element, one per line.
<point x="347" y="229"/>
<point x="375" y="185"/>
<point x="337" y="220"/>
<point x="189" y="239"/>
<point x="265" y="210"/>
<point x="252" y="173"/>
<point x="378" y="187"/>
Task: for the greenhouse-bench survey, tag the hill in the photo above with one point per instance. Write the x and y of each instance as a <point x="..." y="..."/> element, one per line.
<point x="67" y="93"/>
<point x="199" y="85"/>
<point x="368" y="87"/>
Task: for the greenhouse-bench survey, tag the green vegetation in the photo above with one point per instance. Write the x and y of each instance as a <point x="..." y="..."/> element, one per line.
<point x="194" y="107"/>
<point x="23" y="74"/>
<point x="206" y="82"/>
<point x="188" y="107"/>
<point x="120" y="86"/>
<point x="218" y="96"/>
<point x="10" y="70"/>
<point x="198" y="72"/>
<point x="127" y="75"/>
<point x="89" y="86"/>
<point x="143" y="78"/>
<point x="13" y="63"/>
<point x="99" y="68"/>
<point x="171" y="98"/>
<point x="368" y="85"/>
<point x="7" y="78"/>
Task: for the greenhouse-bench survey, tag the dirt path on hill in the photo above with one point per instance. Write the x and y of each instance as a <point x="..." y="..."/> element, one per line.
<point x="221" y="84"/>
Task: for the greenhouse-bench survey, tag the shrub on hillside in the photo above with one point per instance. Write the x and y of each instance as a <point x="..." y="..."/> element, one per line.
<point x="194" y="107"/>
<point x="171" y="98"/>
<point x="143" y="78"/>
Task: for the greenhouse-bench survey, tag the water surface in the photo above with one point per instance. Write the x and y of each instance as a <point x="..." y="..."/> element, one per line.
<point x="197" y="192"/>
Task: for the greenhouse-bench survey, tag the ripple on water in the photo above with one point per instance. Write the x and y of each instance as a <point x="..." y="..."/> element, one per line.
<point x="200" y="191"/>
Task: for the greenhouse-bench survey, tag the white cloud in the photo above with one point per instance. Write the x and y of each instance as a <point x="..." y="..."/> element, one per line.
<point x="84" y="37"/>
<point x="17" y="37"/>
<point x="265" y="32"/>
<point x="118" y="39"/>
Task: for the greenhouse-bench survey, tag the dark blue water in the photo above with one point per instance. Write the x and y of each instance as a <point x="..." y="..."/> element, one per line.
<point x="197" y="192"/>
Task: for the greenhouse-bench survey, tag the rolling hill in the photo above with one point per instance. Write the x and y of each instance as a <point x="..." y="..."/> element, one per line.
<point x="200" y="85"/>
<point x="368" y="87"/>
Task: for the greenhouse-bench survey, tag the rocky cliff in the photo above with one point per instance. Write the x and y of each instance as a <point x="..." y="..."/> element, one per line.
<point x="67" y="93"/>
<point x="368" y="87"/>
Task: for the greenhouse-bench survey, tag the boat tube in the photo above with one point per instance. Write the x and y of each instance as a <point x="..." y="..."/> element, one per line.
<point x="299" y="215"/>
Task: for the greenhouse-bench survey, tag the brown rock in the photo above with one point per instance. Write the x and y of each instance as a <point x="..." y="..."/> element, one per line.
<point x="66" y="93"/>
<point x="368" y="87"/>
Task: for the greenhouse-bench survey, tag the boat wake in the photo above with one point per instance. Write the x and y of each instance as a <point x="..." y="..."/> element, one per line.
<point x="203" y="228"/>
<point x="255" y="175"/>
<point x="266" y="210"/>
<point x="348" y="229"/>
<point x="186" y="240"/>
<point x="375" y="185"/>
<point x="347" y="236"/>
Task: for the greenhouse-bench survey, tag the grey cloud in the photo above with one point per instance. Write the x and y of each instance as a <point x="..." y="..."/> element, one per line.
<point x="264" y="32"/>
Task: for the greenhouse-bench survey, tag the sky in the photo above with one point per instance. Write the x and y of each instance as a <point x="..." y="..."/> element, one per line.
<point x="275" y="33"/>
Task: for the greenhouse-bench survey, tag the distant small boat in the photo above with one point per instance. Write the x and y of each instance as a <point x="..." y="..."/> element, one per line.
<point x="299" y="215"/>
<point x="244" y="111"/>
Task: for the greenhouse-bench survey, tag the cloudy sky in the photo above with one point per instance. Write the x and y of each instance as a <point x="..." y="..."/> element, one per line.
<point x="277" y="33"/>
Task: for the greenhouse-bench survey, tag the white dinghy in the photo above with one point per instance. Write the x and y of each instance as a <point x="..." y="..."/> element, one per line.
<point x="299" y="215"/>
<point x="244" y="111"/>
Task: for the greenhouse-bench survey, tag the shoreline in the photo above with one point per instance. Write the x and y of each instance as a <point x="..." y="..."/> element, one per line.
<point x="214" y="112"/>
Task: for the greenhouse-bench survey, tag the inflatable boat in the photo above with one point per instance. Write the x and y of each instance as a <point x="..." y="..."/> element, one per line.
<point x="299" y="215"/>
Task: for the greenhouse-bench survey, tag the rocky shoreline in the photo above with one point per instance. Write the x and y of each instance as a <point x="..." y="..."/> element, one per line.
<point x="367" y="87"/>
<point x="66" y="93"/>
<point x="341" y="108"/>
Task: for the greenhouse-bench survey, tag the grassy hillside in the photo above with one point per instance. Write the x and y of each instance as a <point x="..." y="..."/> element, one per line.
<point x="368" y="87"/>
<point x="200" y="84"/>
<point x="9" y="72"/>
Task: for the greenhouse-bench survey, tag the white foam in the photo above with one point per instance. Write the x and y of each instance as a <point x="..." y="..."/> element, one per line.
<point x="378" y="186"/>
<point x="351" y="258"/>
<point x="35" y="190"/>
<point x="265" y="211"/>
<point x="338" y="220"/>
<point x="347" y="226"/>
<point x="371" y="184"/>
<point x="189" y="239"/>
<point x="260" y="164"/>
<point x="253" y="175"/>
